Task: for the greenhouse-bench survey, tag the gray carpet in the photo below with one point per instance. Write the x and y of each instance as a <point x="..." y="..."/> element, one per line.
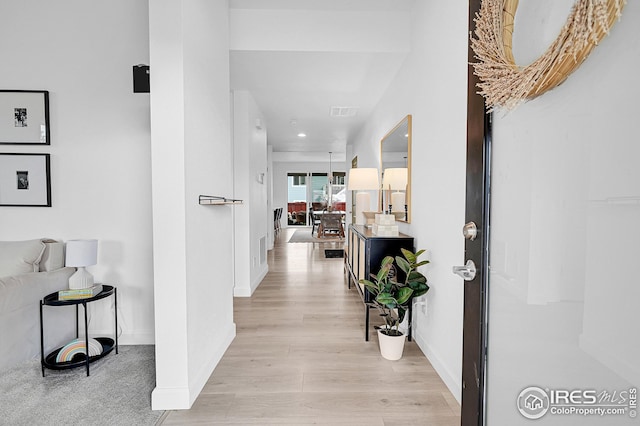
<point x="118" y="392"/>
<point x="304" y="236"/>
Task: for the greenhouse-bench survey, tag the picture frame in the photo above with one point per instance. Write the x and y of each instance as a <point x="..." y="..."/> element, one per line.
<point x="25" y="180"/>
<point x="24" y="117"/>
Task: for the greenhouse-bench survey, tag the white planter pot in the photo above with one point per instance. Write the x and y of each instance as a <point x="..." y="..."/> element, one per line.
<point x="391" y="347"/>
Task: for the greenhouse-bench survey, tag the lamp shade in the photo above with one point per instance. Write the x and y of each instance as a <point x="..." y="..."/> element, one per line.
<point x="363" y="179"/>
<point x="81" y="253"/>
<point x="395" y="178"/>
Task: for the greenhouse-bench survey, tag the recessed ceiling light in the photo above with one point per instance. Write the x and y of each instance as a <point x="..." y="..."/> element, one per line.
<point x="302" y="135"/>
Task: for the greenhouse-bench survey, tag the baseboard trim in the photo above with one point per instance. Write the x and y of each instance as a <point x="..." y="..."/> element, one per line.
<point x="129" y="339"/>
<point x="170" y="398"/>
<point x="205" y="372"/>
<point x="447" y="377"/>
<point x="144" y="338"/>
<point x="248" y="292"/>
<point x="182" y="398"/>
<point x="241" y="292"/>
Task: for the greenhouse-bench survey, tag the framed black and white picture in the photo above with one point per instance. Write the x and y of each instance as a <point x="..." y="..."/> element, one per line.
<point x="25" y="180"/>
<point x="24" y="117"/>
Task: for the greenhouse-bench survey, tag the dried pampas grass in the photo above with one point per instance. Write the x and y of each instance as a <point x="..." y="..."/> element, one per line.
<point x="505" y="84"/>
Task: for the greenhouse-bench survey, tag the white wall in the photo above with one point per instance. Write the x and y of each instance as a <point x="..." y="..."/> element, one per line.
<point x="431" y="86"/>
<point x="270" y="208"/>
<point x="250" y="165"/>
<point x="83" y="53"/>
<point x="191" y="155"/>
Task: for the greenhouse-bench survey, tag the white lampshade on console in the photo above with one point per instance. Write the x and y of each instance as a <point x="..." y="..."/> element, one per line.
<point x="363" y="180"/>
<point x="80" y="254"/>
<point x="395" y="179"/>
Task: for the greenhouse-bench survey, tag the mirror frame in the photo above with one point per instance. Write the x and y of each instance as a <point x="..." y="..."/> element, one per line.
<point x="387" y="137"/>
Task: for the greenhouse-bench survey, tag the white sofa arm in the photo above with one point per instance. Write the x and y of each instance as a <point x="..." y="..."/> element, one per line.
<point x="20" y="297"/>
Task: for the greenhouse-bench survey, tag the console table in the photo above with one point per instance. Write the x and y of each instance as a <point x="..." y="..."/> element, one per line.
<point x="365" y="252"/>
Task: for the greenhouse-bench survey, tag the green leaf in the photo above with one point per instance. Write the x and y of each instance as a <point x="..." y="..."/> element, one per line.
<point x="403" y="264"/>
<point x="424" y="262"/>
<point x="385" y="296"/>
<point x="401" y="313"/>
<point x="383" y="273"/>
<point x="387" y="299"/>
<point x="417" y="285"/>
<point x="373" y="288"/>
<point x="409" y="255"/>
<point x="404" y="294"/>
<point x="388" y="260"/>
<point x="420" y="290"/>
<point x="419" y="252"/>
<point x="416" y="275"/>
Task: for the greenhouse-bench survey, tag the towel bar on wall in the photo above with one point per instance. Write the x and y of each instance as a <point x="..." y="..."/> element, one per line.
<point x="214" y="200"/>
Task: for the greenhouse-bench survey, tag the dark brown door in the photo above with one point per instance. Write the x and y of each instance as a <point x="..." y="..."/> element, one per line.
<point x="478" y="156"/>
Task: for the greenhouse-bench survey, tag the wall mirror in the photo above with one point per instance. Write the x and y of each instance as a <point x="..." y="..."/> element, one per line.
<point x="395" y="167"/>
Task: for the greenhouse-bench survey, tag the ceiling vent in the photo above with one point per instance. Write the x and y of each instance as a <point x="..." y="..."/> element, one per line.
<point x="337" y="111"/>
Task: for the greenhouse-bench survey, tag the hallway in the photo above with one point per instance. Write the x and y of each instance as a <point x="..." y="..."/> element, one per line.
<point x="300" y="358"/>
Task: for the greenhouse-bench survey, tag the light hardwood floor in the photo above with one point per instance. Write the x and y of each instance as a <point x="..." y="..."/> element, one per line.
<point x="300" y="358"/>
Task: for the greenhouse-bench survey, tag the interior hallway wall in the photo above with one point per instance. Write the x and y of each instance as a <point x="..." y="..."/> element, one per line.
<point x="431" y="86"/>
<point x="250" y="185"/>
<point x="83" y="53"/>
<point x="191" y="155"/>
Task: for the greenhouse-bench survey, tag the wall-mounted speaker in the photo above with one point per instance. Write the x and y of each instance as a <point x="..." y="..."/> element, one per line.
<point x="141" y="79"/>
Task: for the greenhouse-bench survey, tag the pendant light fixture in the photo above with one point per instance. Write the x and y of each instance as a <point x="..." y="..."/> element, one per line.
<point x="330" y="186"/>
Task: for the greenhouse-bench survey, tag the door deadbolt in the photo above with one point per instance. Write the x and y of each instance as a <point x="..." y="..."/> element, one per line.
<point x="470" y="231"/>
<point x="467" y="272"/>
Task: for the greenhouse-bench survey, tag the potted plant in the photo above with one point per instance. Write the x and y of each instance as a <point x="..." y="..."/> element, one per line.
<point x="392" y="298"/>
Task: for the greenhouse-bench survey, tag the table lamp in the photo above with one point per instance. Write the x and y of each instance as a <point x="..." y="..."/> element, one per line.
<point x="80" y="254"/>
<point x="395" y="179"/>
<point x="363" y="180"/>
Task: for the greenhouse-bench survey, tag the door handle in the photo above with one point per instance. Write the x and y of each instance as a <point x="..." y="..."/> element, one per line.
<point x="467" y="272"/>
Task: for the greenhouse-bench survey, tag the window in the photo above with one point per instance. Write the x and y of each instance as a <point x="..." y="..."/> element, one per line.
<point x="338" y="178"/>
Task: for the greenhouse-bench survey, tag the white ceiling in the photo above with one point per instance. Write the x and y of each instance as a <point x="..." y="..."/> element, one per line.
<point x="300" y="58"/>
<point x="323" y="4"/>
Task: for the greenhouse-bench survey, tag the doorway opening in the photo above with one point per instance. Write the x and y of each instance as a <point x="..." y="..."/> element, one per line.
<point x="308" y="192"/>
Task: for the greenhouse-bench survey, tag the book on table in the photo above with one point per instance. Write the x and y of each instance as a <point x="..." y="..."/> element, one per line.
<point x="79" y="293"/>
